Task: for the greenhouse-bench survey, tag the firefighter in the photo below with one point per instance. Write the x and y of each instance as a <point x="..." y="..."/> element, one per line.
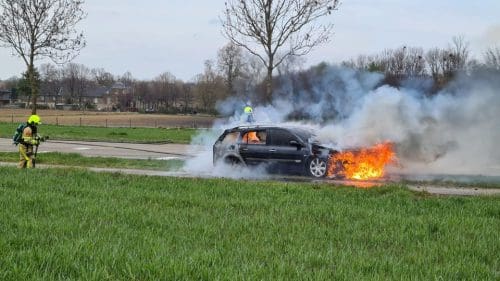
<point x="29" y="139"/>
<point x="249" y="113"/>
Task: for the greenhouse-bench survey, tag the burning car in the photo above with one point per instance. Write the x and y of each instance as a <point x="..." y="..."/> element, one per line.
<point x="289" y="149"/>
<point x="295" y="150"/>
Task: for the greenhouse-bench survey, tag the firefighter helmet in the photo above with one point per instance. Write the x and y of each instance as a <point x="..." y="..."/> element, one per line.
<point x="34" y="119"/>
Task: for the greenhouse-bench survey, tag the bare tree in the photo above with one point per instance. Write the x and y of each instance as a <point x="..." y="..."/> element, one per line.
<point x="142" y="93"/>
<point x="397" y="61"/>
<point x="76" y="79"/>
<point x="253" y="74"/>
<point x="209" y="86"/>
<point x="127" y="79"/>
<point x="492" y="58"/>
<point x="289" y="65"/>
<point x="461" y="53"/>
<point x="230" y="63"/>
<point x="41" y="28"/>
<point x="414" y="62"/>
<point x="186" y="95"/>
<point x="102" y="77"/>
<point x="282" y="28"/>
<point x="51" y="81"/>
<point x="432" y="58"/>
<point x="455" y="58"/>
<point x="360" y="63"/>
<point x="163" y="88"/>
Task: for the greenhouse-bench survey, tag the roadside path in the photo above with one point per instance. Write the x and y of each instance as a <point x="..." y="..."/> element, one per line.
<point x="108" y="149"/>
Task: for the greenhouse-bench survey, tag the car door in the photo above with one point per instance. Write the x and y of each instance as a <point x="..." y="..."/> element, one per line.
<point x="253" y="146"/>
<point x="282" y="152"/>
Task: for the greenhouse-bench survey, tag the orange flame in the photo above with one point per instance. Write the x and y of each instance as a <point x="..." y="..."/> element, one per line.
<point x="363" y="164"/>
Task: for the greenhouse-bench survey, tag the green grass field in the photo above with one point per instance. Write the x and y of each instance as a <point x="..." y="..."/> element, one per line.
<point x="60" y="224"/>
<point x="77" y="160"/>
<point x="132" y="135"/>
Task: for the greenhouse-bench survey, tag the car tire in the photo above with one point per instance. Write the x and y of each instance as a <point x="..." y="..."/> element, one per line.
<point x="317" y="167"/>
<point x="233" y="161"/>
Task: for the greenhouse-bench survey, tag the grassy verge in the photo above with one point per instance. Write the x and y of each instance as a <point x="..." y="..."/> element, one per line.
<point x="132" y="135"/>
<point x="75" y="224"/>
<point x="74" y="159"/>
<point x="77" y="160"/>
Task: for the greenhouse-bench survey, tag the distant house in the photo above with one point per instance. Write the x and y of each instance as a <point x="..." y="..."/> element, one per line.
<point x="93" y="96"/>
<point x="118" y="97"/>
<point x="98" y="97"/>
<point x="119" y="88"/>
<point x="103" y="98"/>
<point x="5" y="97"/>
<point x="49" y="99"/>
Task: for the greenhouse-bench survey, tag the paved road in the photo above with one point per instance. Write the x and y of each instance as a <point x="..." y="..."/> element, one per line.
<point x="106" y="149"/>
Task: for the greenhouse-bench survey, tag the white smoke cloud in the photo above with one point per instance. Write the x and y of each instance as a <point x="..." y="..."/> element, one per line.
<point x="452" y="132"/>
<point x="456" y="131"/>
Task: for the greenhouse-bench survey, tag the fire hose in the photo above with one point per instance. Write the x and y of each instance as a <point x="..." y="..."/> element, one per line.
<point x="39" y="139"/>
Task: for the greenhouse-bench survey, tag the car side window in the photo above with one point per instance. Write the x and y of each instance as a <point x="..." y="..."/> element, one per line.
<point x="282" y="137"/>
<point x="254" y="137"/>
<point x="231" y="138"/>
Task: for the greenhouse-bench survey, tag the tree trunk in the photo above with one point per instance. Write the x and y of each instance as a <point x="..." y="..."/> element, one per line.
<point x="33" y="86"/>
<point x="269" y="84"/>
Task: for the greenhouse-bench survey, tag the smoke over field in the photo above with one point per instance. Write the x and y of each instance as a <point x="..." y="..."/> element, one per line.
<point x="455" y="131"/>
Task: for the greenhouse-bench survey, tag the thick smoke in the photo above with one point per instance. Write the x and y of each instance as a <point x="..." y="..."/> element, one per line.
<point x="455" y="131"/>
<point x="324" y="93"/>
<point x="451" y="132"/>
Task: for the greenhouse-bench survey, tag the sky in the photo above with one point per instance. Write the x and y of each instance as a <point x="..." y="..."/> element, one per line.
<point x="150" y="37"/>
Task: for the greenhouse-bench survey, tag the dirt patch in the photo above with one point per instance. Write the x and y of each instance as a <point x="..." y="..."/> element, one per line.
<point x="109" y="119"/>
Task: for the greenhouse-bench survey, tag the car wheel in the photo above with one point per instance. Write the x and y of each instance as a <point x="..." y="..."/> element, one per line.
<point x="232" y="161"/>
<point x="317" y="167"/>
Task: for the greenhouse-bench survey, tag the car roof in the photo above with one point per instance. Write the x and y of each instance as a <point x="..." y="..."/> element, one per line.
<point x="268" y="126"/>
<point x="256" y="126"/>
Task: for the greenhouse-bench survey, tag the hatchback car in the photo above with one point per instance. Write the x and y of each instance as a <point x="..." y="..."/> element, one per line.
<point x="281" y="149"/>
